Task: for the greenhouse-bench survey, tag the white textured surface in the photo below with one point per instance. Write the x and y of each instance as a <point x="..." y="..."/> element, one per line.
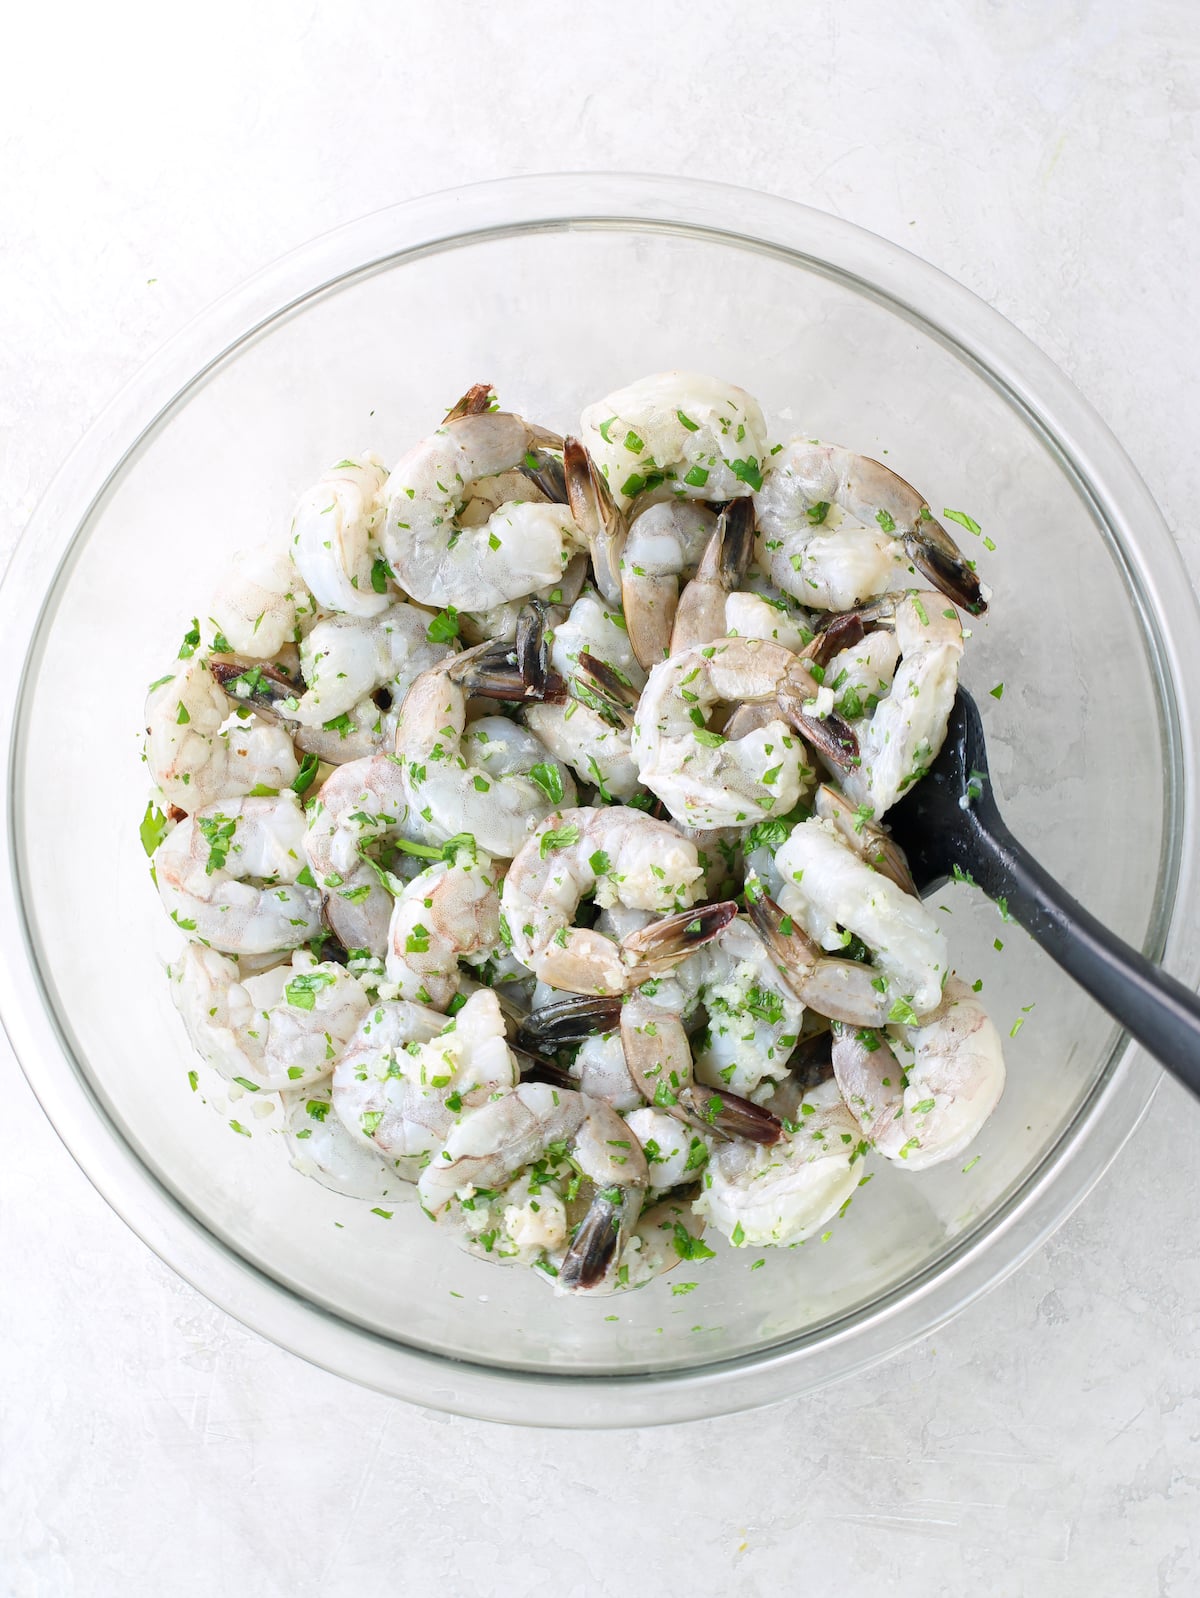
<point x="1048" y="156"/>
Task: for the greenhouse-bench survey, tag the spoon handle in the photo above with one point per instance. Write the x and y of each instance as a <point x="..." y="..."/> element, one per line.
<point x="1159" y="1011"/>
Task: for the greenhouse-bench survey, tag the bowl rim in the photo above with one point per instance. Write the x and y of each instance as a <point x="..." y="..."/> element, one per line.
<point x="1159" y="588"/>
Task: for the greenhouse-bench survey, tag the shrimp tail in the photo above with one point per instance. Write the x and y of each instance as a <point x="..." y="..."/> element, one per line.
<point x="731" y="1116"/>
<point x="605" y="689"/>
<point x="665" y="942"/>
<point x="786" y="941"/>
<point x="734" y="539"/>
<point x="831" y="736"/>
<point x="255" y="682"/>
<point x="871" y="842"/>
<point x="841" y="631"/>
<point x="569" y="1021"/>
<point x="935" y="554"/>
<point x="533" y="649"/>
<point x="513" y="672"/>
<point x="537" y="1068"/>
<point x="596" y="1242"/>
<point x="547" y="475"/>
<point x="478" y="398"/>
<point x="700" y="613"/>
<point x="597" y="516"/>
<point x="842" y="990"/>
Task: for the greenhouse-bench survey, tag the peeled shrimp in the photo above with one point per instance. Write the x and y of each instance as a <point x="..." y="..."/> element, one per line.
<point x="660" y="1062"/>
<point x="360" y="805"/>
<point x="706" y="438"/>
<point x="322" y="1148"/>
<point x="761" y="1197"/>
<point x="475" y="780"/>
<point x="446" y="913"/>
<point x="703" y="778"/>
<point x="346" y="659"/>
<point x="489" y="1146"/>
<point x="749" y="615"/>
<point x="675" y="1153"/>
<point x="665" y="544"/>
<point x="831" y="891"/>
<point x="520" y="549"/>
<point x="932" y="1109"/>
<point x="900" y="740"/>
<point x="599" y="1068"/>
<point x="333" y="537"/>
<point x="408" y="1073"/>
<point x="621" y="855"/>
<point x="891" y="532"/>
<point x="860" y="675"/>
<point x="260" y="604"/>
<point x="194" y="758"/>
<point x="227" y="876"/>
<point x="282" y="1028"/>
<point x="754" y="1015"/>
<point x="576" y="731"/>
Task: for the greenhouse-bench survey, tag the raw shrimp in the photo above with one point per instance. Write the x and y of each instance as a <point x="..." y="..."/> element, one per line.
<point x="527" y="1224"/>
<point x="599" y="1068"/>
<point x="360" y="805"/>
<point x="596" y="628"/>
<point x="356" y="734"/>
<point x="660" y="1062"/>
<point x="892" y="531"/>
<point x="260" y="605"/>
<point x="674" y="1152"/>
<point x="706" y="438"/>
<point x="228" y="876"/>
<point x="448" y="912"/>
<point x="194" y="758"/>
<point x="578" y="736"/>
<point x="624" y="857"/>
<point x="487" y="1148"/>
<point x="930" y="1110"/>
<point x="860" y="675"/>
<point x="524" y="1223"/>
<point x="666" y="543"/>
<point x="753" y="1015"/>
<point x="479" y="780"/>
<point x="521" y="548"/>
<point x="750" y="615"/>
<point x="832" y="893"/>
<point x="593" y="1023"/>
<point x="901" y="739"/>
<point x="762" y="1197"/>
<point x="841" y="988"/>
<point x="282" y="1028"/>
<point x="334" y="532"/>
<point x="707" y="780"/>
<point x="408" y="1073"/>
<point x="577" y="732"/>
<point x="346" y="659"/>
<point x="322" y="1148"/>
<point x="868" y="840"/>
<point x="700" y="614"/>
<point x="600" y="522"/>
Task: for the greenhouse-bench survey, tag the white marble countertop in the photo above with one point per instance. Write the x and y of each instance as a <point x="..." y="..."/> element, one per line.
<point x="1047" y="1442"/>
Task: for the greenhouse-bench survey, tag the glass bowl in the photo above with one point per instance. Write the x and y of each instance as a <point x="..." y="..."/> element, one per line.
<point x="558" y="289"/>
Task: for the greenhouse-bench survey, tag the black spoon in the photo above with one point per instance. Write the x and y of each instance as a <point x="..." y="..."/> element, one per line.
<point x="949" y="820"/>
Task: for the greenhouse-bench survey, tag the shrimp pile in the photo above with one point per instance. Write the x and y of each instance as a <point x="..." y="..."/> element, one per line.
<point x="523" y="811"/>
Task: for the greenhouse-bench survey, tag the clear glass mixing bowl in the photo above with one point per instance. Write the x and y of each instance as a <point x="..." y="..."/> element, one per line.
<point x="557" y="290"/>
